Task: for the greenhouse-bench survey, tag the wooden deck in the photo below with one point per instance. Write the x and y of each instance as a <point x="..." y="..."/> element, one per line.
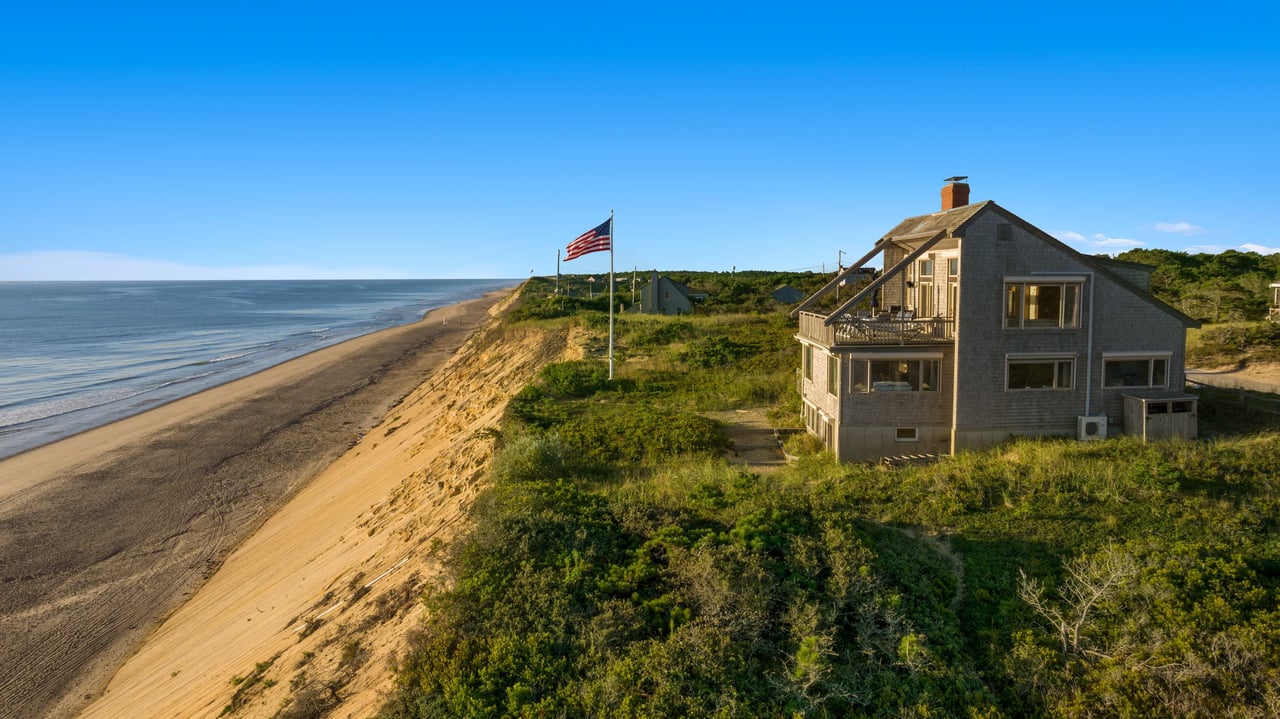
<point x="878" y="330"/>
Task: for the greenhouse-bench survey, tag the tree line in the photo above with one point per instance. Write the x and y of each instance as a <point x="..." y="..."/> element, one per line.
<point x="1230" y="286"/>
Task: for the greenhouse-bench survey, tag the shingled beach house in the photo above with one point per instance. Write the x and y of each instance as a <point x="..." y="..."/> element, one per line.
<point x="981" y="327"/>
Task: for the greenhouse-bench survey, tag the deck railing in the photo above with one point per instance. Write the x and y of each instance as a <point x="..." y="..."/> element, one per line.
<point x="877" y="330"/>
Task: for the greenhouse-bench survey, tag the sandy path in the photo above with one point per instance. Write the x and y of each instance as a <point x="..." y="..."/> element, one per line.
<point x="1258" y="378"/>
<point x="103" y="533"/>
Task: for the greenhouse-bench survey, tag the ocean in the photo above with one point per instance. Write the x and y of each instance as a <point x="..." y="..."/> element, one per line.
<point x="77" y="355"/>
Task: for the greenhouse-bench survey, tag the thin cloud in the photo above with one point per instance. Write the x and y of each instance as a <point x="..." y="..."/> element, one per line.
<point x="1218" y="249"/>
<point x="1182" y="227"/>
<point x="1260" y="249"/>
<point x="1098" y="243"/>
<point x="71" y="265"/>
<point x="1101" y="240"/>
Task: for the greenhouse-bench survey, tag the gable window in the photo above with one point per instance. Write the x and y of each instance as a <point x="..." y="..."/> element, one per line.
<point x="895" y="375"/>
<point x="808" y="362"/>
<point x="1132" y="371"/>
<point x="1042" y="304"/>
<point x="1040" y="373"/>
<point x="833" y="375"/>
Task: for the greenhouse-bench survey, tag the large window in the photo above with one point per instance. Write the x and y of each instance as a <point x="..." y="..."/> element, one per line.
<point x="833" y="374"/>
<point x="1040" y="373"/>
<point x="924" y="299"/>
<point x="1036" y="305"/>
<point x="895" y="375"/>
<point x="1135" y="371"/>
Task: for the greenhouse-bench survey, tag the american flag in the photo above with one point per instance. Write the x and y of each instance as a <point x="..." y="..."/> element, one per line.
<point x="597" y="239"/>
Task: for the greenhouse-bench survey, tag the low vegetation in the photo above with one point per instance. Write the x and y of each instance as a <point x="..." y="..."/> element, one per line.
<point x="1234" y="343"/>
<point x="618" y="567"/>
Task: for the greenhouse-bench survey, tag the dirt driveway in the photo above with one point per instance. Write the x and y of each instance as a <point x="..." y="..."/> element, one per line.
<point x="1257" y="378"/>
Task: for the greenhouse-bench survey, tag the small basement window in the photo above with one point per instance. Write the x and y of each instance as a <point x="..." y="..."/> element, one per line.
<point x="907" y="434"/>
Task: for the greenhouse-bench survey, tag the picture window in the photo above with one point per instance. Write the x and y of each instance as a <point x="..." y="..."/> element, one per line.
<point x="1135" y="372"/>
<point x="1041" y="306"/>
<point x="895" y="375"/>
<point x="1038" y="373"/>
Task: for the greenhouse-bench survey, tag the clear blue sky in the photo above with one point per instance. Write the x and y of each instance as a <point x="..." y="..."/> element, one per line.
<point x="246" y="140"/>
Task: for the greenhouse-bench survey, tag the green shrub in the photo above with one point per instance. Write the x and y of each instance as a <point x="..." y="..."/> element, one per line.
<point x="716" y="351"/>
<point x="1220" y="344"/>
<point x="803" y="443"/>
<point x="659" y="333"/>
<point x="632" y="435"/>
<point x="580" y="378"/>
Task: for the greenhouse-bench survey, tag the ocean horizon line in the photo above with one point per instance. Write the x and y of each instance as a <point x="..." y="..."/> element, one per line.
<point x="75" y="355"/>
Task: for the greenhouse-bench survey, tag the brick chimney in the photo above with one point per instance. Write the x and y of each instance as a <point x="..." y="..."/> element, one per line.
<point x="955" y="193"/>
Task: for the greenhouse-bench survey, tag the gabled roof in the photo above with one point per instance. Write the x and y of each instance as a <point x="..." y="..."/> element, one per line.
<point x="953" y="222"/>
<point x="678" y="287"/>
<point x="948" y="221"/>
<point x="1095" y="265"/>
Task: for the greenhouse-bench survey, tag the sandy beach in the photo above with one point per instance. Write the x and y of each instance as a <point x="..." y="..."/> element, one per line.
<point x="104" y="534"/>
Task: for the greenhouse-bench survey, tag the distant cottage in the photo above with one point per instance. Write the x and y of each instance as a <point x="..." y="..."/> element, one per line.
<point x="983" y="326"/>
<point x="664" y="296"/>
<point x="1273" y="312"/>
<point x="787" y="295"/>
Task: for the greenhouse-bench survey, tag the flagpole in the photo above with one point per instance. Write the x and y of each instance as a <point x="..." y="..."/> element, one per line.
<point x="557" y="272"/>
<point x="613" y="240"/>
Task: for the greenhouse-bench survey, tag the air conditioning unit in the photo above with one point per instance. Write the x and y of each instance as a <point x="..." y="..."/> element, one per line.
<point x="1091" y="428"/>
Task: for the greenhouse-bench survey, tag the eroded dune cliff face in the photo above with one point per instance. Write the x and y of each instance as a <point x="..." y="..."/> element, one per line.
<point x="311" y="612"/>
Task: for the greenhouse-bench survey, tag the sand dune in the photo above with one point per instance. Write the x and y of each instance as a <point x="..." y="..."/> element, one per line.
<point x="104" y="533"/>
<point x="324" y="594"/>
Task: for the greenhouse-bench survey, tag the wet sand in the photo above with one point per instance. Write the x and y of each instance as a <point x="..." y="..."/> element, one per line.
<point x="105" y="533"/>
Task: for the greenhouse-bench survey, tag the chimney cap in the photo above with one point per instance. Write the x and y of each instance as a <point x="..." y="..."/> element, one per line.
<point x="957" y="178"/>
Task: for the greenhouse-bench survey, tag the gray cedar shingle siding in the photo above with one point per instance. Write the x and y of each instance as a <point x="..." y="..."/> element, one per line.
<point x="1122" y="321"/>
<point x="664" y="296"/>
<point x="993" y="245"/>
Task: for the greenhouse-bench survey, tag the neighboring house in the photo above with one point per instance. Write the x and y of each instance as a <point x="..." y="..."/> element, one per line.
<point x="983" y="326"/>
<point x="787" y="295"/>
<point x="663" y="296"/>
<point x="1273" y="312"/>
